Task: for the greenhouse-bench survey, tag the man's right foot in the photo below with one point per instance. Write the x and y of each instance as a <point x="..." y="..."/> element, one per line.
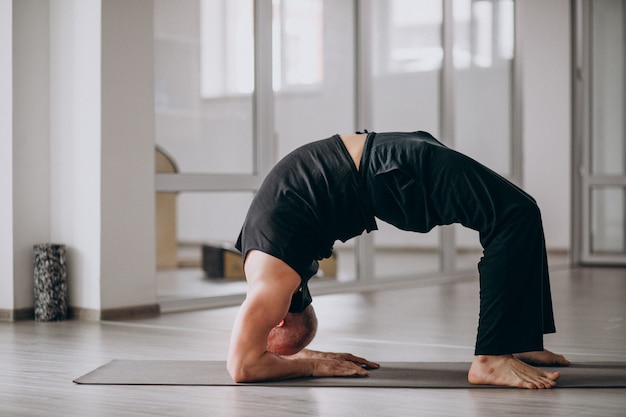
<point x="507" y="371"/>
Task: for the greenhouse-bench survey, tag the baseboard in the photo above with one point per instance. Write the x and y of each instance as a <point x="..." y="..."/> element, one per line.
<point x="17" y="314"/>
<point x="144" y="311"/>
<point x="86" y="314"/>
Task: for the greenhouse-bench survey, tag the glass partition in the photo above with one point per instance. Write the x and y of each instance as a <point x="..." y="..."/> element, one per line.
<point x="608" y="220"/>
<point x="406" y="61"/>
<point x="208" y="116"/>
<point x="608" y="146"/>
<point x="483" y="53"/>
<point x="314" y="77"/>
<point x="204" y="79"/>
<point x="196" y="232"/>
<point x="217" y="132"/>
<point x="483" y="81"/>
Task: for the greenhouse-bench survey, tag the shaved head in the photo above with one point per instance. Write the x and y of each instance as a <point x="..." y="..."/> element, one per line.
<point x="294" y="333"/>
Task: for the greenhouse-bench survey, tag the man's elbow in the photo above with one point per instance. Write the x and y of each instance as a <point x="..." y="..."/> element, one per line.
<point x="239" y="371"/>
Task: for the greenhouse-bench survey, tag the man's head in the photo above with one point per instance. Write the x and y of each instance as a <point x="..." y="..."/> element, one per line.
<point x="294" y="333"/>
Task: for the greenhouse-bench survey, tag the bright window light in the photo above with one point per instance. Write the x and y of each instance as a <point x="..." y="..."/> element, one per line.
<point x="227" y="46"/>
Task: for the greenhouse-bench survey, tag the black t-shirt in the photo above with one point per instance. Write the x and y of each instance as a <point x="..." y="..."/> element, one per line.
<point x="311" y="198"/>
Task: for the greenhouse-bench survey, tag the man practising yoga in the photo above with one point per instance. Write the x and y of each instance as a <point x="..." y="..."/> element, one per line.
<point x="333" y="189"/>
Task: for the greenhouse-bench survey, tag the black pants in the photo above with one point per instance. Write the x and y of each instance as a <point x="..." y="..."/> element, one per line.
<point x="415" y="183"/>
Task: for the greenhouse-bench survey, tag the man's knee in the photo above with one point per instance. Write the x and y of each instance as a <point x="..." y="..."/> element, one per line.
<point x="528" y="211"/>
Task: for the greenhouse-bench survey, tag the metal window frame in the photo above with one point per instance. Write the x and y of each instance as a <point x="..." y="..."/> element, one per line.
<point x="583" y="179"/>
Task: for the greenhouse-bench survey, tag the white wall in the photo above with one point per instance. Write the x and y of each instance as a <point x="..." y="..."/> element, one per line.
<point x="77" y="149"/>
<point x="6" y="155"/>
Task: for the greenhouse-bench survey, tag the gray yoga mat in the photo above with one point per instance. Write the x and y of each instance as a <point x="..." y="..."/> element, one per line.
<point x="390" y="375"/>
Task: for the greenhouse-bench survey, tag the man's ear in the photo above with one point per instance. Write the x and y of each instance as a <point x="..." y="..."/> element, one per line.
<point x="281" y="324"/>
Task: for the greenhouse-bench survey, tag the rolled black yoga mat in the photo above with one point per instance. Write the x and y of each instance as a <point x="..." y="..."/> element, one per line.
<point x="390" y="375"/>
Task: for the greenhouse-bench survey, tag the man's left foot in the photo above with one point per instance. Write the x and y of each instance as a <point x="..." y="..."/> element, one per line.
<point x="542" y="357"/>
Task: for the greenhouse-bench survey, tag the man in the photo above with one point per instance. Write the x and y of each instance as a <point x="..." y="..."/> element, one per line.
<point x="332" y="190"/>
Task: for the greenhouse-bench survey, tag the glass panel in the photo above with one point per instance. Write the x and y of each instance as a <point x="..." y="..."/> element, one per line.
<point x="298" y="44"/>
<point x="608" y="109"/>
<point x="401" y="253"/>
<point x="483" y="78"/>
<point x="313" y="72"/>
<point x="204" y="77"/>
<point x="407" y="56"/>
<point x="194" y="243"/>
<point x="407" y="59"/>
<point x="608" y="220"/>
<point x="483" y="68"/>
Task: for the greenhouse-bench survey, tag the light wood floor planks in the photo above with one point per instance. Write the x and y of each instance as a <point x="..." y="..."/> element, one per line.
<point x="435" y="322"/>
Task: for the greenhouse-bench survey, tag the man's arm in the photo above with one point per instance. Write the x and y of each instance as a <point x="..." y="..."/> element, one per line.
<point x="271" y="283"/>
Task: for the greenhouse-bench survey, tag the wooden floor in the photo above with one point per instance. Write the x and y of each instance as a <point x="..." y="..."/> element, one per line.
<point x="423" y="322"/>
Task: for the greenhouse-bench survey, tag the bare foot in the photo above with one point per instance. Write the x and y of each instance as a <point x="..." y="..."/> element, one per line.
<point x="542" y="357"/>
<point x="507" y="371"/>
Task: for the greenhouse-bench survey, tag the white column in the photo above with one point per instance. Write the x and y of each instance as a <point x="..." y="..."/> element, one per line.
<point x="127" y="155"/>
<point x="75" y="144"/>
<point x="31" y="145"/>
<point x="6" y="156"/>
<point x="102" y="151"/>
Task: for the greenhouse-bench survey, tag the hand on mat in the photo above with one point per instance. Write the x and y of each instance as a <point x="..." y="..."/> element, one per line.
<point x="338" y="364"/>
